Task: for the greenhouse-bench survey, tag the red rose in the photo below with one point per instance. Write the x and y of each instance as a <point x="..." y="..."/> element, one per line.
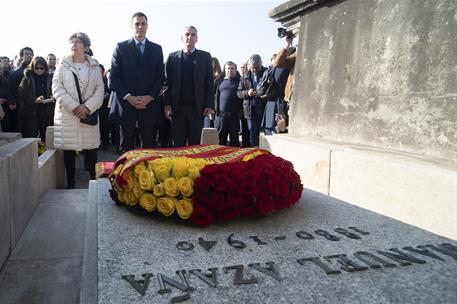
<point x="220" y="182"/>
<point x="265" y="204"/>
<point x="211" y="170"/>
<point x="237" y="174"/>
<point x="249" y="188"/>
<point x="201" y="217"/>
<point x="247" y="207"/>
<point x="202" y="184"/>
<point x="234" y="199"/>
<point x="216" y="201"/>
<point x="228" y="213"/>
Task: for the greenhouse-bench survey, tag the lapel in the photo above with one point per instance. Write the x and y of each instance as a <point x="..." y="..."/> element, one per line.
<point x="196" y="65"/>
<point x="147" y="48"/>
<point x="179" y="65"/>
<point x="133" y="49"/>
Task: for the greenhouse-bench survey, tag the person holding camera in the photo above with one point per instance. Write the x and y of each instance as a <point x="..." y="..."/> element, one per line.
<point x="78" y="88"/>
<point x="286" y="58"/>
<point x="253" y="106"/>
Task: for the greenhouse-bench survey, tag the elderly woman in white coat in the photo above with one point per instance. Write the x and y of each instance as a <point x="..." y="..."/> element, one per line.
<point x="69" y="133"/>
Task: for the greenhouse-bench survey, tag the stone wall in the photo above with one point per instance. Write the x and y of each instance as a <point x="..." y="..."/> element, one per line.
<point x="380" y="73"/>
<point x="18" y="189"/>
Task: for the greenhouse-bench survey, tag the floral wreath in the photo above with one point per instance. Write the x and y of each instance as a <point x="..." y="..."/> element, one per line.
<point x="205" y="183"/>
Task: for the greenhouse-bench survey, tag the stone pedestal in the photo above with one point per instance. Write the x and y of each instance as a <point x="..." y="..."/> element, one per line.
<point x="209" y="136"/>
<point x="322" y="250"/>
<point x="372" y="116"/>
<point x="379" y="73"/>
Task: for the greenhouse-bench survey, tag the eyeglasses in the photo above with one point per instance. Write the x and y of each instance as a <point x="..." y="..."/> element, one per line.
<point x="75" y="42"/>
<point x="39" y="68"/>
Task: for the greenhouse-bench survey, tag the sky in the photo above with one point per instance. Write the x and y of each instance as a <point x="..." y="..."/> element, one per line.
<point x="229" y="30"/>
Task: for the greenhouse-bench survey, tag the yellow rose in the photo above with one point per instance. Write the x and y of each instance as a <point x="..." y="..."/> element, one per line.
<point x="194" y="172"/>
<point x="137" y="190"/>
<point x="184" y="208"/>
<point x="171" y="187"/>
<point x="159" y="190"/>
<point x="148" y="202"/>
<point x="186" y="186"/>
<point x="140" y="167"/>
<point x="128" y="176"/>
<point x="162" y="172"/>
<point x="166" y="205"/>
<point x="146" y="179"/>
<point x="120" y="196"/>
<point x="130" y="198"/>
<point x="180" y="167"/>
<point x="153" y="164"/>
<point x="200" y="163"/>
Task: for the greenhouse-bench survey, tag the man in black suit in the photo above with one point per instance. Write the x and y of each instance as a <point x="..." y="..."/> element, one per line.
<point x="137" y="77"/>
<point x="190" y="94"/>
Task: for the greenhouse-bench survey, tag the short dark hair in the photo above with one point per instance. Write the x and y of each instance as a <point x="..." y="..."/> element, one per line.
<point x="139" y="14"/>
<point x="27" y="48"/>
<point x="230" y="63"/>
<point x="50" y="54"/>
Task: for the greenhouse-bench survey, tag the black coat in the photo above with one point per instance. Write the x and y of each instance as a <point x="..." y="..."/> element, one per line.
<point x="14" y="81"/>
<point x="244" y="86"/>
<point x="27" y="96"/>
<point x="5" y="92"/>
<point x="138" y="75"/>
<point x="203" y="81"/>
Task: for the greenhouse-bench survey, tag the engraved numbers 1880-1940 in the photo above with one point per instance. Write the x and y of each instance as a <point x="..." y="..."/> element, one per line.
<point x="351" y="233"/>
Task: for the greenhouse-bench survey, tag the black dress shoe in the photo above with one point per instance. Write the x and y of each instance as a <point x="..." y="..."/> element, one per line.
<point x="71" y="186"/>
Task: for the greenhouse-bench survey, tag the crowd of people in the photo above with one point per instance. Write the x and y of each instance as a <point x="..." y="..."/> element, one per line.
<point x="140" y="101"/>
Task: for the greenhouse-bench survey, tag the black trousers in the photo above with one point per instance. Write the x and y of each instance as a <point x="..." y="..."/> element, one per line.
<point x="186" y="126"/>
<point x="69" y="161"/>
<point x="29" y="127"/>
<point x="127" y="134"/>
<point x="245" y="132"/>
<point x="228" y="124"/>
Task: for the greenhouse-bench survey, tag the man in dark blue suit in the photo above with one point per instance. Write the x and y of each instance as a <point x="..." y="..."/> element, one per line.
<point x="190" y="94"/>
<point x="137" y="77"/>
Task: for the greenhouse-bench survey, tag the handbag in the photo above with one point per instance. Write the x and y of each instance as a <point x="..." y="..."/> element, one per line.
<point x="91" y="119"/>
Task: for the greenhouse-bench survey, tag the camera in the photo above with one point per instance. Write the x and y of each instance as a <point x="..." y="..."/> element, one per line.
<point x="282" y="32"/>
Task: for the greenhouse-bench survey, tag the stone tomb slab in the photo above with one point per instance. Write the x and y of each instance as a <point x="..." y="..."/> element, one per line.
<point x="291" y="256"/>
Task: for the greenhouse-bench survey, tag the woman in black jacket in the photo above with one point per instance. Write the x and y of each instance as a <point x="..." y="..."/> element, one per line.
<point x="35" y="95"/>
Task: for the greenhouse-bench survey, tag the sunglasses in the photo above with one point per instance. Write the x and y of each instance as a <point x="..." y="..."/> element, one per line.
<point x="39" y="68"/>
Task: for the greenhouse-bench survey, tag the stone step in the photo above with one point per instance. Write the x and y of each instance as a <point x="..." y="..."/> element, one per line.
<point x="45" y="266"/>
<point x="64" y="196"/>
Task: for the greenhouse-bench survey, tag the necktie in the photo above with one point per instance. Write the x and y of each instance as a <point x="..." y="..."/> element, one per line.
<point x="140" y="47"/>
